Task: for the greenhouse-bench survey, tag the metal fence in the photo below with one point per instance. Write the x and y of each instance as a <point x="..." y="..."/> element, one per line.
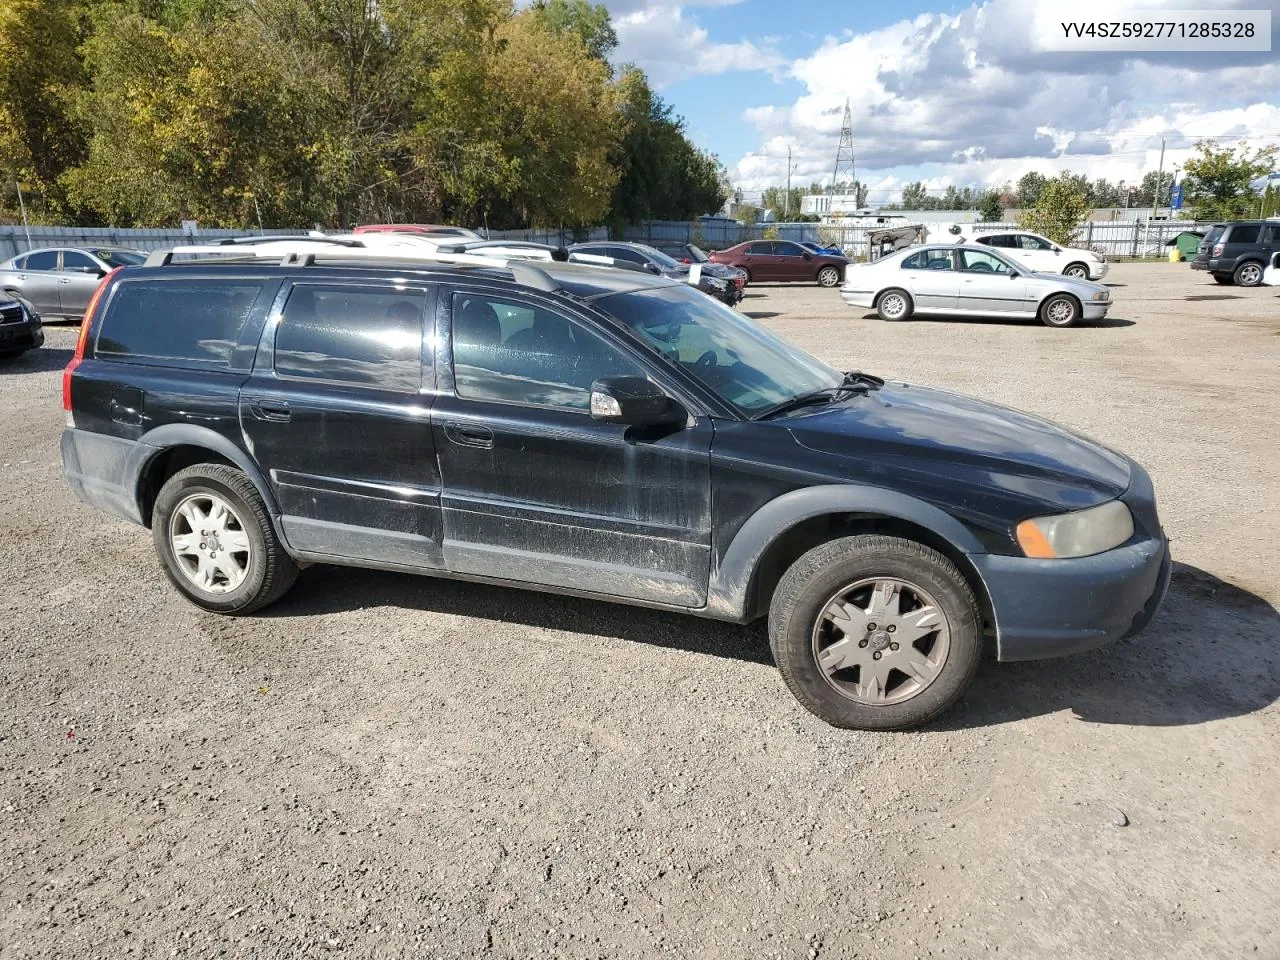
<point x="1136" y="238"/>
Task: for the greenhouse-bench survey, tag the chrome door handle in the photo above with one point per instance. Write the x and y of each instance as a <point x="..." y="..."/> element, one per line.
<point x="64" y="279"/>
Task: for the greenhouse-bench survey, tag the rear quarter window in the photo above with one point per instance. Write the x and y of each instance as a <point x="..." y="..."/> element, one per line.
<point x="178" y="320"/>
<point x="1243" y="233"/>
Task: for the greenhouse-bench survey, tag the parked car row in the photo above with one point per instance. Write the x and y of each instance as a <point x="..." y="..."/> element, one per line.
<point x="605" y="433"/>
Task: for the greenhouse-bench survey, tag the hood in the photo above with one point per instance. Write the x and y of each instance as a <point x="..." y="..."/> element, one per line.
<point x="962" y="451"/>
<point x="1084" y="289"/>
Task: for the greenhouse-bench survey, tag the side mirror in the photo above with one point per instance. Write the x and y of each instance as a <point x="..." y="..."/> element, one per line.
<point x="1014" y="274"/>
<point x="652" y="267"/>
<point x="1057" y="251"/>
<point x="808" y="256"/>
<point x="635" y="401"/>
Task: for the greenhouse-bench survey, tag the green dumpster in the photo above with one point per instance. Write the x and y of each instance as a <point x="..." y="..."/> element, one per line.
<point x="1187" y="242"/>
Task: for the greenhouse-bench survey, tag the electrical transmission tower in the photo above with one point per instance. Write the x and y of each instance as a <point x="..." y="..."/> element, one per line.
<point x="845" y="160"/>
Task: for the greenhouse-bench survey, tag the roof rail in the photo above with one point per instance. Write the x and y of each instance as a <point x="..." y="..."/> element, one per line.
<point x="293" y="238"/>
<point x="522" y="271"/>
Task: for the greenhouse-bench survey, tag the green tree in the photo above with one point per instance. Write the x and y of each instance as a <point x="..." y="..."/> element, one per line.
<point x="1030" y="185"/>
<point x="1154" y="190"/>
<point x="1060" y="208"/>
<point x="914" y="196"/>
<point x="990" y="210"/>
<point x="1217" y="181"/>
<point x="41" y="73"/>
<point x="590" y="22"/>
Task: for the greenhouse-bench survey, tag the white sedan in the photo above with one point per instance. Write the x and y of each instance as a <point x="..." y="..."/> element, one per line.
<point x="968" y="280"/>
<point x="1043" y="255"/>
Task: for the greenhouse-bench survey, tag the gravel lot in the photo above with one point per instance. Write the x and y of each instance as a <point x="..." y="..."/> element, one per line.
<point x="383" y="765"/>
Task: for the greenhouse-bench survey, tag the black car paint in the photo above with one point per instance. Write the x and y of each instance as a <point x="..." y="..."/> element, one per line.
<point x="1235" y="253"/>
<point x="20" y="328"/>
<point x="681" y="517"/>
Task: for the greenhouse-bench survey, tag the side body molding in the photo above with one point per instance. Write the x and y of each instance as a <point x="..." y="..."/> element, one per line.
<point x="731" y="580"/>
<point x="157" y="441"/>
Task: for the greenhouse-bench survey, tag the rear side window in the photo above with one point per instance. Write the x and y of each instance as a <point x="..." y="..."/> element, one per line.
<point x="182" y="320"/>
<point x="1243" y="233"/>
<point x="1214" y="234"/>
<point x="930" y="260"/>
<point x="368" y="336"/>
<point x="48" y="260"/>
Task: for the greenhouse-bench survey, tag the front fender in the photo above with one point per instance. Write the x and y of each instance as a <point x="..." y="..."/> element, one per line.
<point x="730" y="581"/>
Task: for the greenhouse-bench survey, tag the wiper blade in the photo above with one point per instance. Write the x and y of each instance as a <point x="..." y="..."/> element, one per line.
<point x="857" y="380"/>
<point x="853" y="382"/>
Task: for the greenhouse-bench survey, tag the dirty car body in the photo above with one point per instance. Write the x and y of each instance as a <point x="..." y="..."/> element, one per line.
<point x="594" y="432"/>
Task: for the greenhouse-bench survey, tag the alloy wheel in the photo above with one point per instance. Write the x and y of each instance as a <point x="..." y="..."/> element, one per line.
<point x="1079" y="273"/>
<point x="828" y="276"/>
<point x="1061" y="312"/>
<point x="881" y="641"/>
<point x="210" y="543"/>
<point x="894" y="305"/>
<point x="1249" y="275"/>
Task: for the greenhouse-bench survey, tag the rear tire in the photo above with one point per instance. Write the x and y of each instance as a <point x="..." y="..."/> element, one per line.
<point x="1060" y="310"/>
<point x="836" y="643"/>
<point x="216" y="542"/>
<point x="1224" y="279"/>
<point x="894" y="304"/>
<point x="1248" y="274"/>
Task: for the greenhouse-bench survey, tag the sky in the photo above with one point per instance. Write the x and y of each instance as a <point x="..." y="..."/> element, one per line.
<point x="947" y="93"/>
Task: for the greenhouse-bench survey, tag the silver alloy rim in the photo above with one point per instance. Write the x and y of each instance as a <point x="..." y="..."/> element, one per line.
<point x="881" y="641"/>
<point x="894" y="305"/>
<point x="1078" y="272"/>
<point x="209" y="543"/>
<point x="1061" y="311"/>
<point x="829" y="277"/>
<point x="1249" y="275"/>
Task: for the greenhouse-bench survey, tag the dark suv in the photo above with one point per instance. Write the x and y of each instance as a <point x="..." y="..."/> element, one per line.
<point x="602" y="433"/>
<point x="1238" y="252"/>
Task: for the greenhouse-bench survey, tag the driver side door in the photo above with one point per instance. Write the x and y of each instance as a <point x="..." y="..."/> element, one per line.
<point x="989" y="286"/>
<point x="534" y="489"/>
<point x="78" y="278"/>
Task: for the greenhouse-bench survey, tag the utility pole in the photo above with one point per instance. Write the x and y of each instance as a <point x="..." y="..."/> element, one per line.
<point x="25" y="226"/>
<point x="1159" y="180"/>
<point x="786" y="201"/>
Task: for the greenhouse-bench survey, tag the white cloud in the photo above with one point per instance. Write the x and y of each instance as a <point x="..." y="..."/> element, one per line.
<point x="670" y="46"/>
<point x="974" y="98"/>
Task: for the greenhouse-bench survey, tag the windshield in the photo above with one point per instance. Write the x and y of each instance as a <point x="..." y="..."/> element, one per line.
<point x="121" y="258"/>
<point x="657" y="256"/>
<point x="741" y="361"/>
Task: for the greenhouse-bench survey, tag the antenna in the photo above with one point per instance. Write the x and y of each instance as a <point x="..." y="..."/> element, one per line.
<point x="844" y="155"/>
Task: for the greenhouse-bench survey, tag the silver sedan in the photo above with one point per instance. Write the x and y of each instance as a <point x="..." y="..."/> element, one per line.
<point x="57" y="282"/>
<point x="969" y="280"/>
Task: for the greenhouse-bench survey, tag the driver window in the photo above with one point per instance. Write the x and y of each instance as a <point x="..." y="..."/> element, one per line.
<point x="517" y="353"/>
<point x="977" y="261"/>
<point x="787" y="250"/>
<point x="77" y="262"/>
<point x="1029" y="242"/>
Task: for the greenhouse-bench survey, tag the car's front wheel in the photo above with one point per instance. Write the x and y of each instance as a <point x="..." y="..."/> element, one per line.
<point x="1077" y="271"/>
<point x="1060" y="310"/>
<point x="216" y="541"/>
<point x="829" y="277"/>
<point x="875" y="633"/>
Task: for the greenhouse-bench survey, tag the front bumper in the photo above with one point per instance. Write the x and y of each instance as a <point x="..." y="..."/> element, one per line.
<point x="1098" y="270"/>
<point x="26" y="334"/>
<point x="1096" y="309"/>
<point x="1051" y="608"/>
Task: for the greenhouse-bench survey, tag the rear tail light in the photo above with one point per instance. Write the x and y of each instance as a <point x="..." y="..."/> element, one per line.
<point x="78" y="356"/>
<point x="1217" y="249"/>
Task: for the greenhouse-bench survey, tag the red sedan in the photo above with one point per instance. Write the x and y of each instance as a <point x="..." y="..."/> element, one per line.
<point x="782" y="261"/>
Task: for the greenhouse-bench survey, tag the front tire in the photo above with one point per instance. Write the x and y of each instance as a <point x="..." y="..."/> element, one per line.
<point x="875" y="632"/>
<point x="1076" y="270"/>
<point x="216" y="542"/>
<point x="828" y="277"/>
<point x="1248" y="274"/>
<point x="1060" y="310"/>
<point x="894" y="304"/>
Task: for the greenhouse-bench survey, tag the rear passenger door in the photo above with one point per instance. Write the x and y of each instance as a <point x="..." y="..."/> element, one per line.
<point x="930" y="277"/>
<point x="39" y="282"/>
<point x="337" y="412"/>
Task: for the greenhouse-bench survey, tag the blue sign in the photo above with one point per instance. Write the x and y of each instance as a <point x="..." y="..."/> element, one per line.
<point x="1175" y="198"/>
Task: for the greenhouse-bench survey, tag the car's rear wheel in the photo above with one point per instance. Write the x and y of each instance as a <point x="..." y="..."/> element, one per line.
<point x="828" y="277"/>
<point x="216" y="541"/>
<point x="875" y="633"/>
<point x="1060" y="310"/>
<point x="1223" y="278"/>
<point x="1076" y="270"/>
<point x="1248" y="274"/>
<point x="894" y="304"/>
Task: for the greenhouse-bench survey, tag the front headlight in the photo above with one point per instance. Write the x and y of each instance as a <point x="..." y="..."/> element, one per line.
<point x="1104" y="295"/>
<point x="1080" y="533"/>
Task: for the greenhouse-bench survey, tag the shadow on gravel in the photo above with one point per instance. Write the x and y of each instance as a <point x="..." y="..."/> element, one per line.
<point x="1212" y="652"/>
<point x="1007" y="321"/>
<point x="761" y="314"/>
<point x="39" y="360"/>
<point x="324" y="589"/>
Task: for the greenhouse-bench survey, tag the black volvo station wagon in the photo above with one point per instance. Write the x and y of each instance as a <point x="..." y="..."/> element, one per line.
<point x="601" y="433"/>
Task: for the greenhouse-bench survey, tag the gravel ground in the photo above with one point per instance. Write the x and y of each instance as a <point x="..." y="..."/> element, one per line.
<point x="389" y="766"/>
